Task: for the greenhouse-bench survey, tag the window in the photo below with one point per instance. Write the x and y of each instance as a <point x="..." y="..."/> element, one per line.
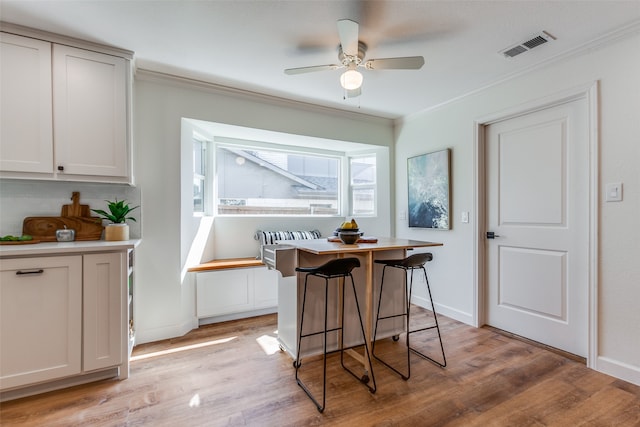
<point x="362" y="171"/>
<point x="256" y="181"/>
<point x="199" y="175"/>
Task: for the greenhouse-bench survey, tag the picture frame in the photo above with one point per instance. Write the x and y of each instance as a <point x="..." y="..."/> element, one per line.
<point x="429" y="190"/>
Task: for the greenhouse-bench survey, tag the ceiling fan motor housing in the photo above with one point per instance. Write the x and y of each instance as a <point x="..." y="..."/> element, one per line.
<point x="346" y="59"/>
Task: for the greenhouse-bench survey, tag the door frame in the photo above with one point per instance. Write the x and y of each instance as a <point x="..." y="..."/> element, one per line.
<point x="589" y="92"/>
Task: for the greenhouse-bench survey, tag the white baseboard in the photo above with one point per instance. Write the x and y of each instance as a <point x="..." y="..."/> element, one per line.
<point x="618" y="369"/>
<point x="173" y="331"/>
<point x="236" y="316"/>
<point x="166" y="332"/>
<point x="31" y="390"/>
<point x="450" y="312"/>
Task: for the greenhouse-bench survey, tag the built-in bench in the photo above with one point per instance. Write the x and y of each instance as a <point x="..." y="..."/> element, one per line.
<point x="234" y="288"/>
<point x="224" y="264"/>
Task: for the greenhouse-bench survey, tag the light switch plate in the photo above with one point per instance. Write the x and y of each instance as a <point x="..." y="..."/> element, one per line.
<point x="464" y="217"/>
<point x="614" y="192"/>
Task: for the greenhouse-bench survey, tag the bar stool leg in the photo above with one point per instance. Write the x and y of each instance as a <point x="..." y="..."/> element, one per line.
<point x="368" y="375"/>
<point x="297" y="362"/>
<point x="405" y="314"/>
<point x="436" y="327"/>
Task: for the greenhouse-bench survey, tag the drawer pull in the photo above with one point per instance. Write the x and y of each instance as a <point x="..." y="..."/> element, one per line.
<point x="22" y="273"/>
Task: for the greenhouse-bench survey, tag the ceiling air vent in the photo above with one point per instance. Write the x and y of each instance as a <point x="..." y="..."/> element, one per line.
<point x="525" y="46"/>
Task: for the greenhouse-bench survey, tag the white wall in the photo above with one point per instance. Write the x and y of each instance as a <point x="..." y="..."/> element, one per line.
<point x="24" y="198"/>
<point x="165" y="302"/>
<point x="617" y="68"/>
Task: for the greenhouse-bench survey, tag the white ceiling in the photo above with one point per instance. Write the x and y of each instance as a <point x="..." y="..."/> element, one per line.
<point x="247" y="44"/>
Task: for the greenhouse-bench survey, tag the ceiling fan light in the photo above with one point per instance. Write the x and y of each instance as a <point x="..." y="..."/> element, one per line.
<point x="351" y="79"/>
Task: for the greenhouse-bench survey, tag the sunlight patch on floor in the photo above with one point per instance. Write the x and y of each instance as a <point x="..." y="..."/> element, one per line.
<point x="183" y="348"/>
<point x="194" y="402"/>
<point x="269" y="344"/>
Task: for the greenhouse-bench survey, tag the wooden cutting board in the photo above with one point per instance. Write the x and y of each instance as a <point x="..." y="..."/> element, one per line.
<point x="75" y="208"/>
<point x="44" y="228"/>
<point x="74" y="216"/>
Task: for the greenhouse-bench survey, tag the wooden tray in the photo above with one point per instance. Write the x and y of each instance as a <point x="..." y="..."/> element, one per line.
<point x="360" y="240"/>
<point x="20" y="242"/>
<point x="44" y="228"/>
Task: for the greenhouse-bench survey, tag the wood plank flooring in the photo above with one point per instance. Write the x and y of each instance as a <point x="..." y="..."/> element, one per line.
<point x="233" y="374"/>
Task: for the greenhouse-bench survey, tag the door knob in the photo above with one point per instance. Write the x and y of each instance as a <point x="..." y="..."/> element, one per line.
<point x="491" y="235"/>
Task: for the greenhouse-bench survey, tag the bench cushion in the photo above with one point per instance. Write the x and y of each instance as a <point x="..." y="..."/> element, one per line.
<point x="270" y="237"/>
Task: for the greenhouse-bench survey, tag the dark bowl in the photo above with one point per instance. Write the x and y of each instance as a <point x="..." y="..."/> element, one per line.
<point x="338" y="230"/>
<point x="349" y="237"/>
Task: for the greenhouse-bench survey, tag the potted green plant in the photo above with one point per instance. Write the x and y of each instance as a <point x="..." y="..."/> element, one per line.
<point x="118" y="214"/>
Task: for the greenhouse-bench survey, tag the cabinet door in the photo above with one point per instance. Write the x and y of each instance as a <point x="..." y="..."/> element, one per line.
<point x="40" y="319"/>
<point x="26" y="129"/>
<point x="104" y="300"/>
<point x="90" y="113"/>
<point x="223" y="292"/>
<point x="265" y="288"/>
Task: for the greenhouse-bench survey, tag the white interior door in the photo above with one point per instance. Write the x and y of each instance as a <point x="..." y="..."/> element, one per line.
<point x="538" y="207"/>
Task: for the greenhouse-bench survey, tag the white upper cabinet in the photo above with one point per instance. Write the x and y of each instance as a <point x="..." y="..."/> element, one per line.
<point x="90" y="113"/>
<point x="26" y="129"/>
<point x="65" y="112"/>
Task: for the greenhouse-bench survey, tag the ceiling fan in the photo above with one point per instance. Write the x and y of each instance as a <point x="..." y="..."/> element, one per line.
<point x="351" y="54"/>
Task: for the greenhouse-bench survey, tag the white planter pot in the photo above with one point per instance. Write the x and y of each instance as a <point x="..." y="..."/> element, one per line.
<point x="116" y="232"/>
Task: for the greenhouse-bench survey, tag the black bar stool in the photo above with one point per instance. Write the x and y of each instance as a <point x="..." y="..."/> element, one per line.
<point x="336" y="268"/>
<point x="411" y="263"/>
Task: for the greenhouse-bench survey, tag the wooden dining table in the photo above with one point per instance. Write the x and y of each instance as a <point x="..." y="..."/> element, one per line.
<point x="315" y="252"/>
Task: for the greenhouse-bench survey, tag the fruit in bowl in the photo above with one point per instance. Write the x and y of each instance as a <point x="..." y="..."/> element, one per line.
<point x="347" y="226"/>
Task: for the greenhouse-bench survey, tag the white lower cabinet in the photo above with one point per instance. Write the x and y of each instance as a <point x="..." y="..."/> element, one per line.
<point x="41" y="319"/>
<point x="102" y="310"/>
<point x="239" y="290"/>
<point x="62" y="316"/>
<point x="265" y="288"/>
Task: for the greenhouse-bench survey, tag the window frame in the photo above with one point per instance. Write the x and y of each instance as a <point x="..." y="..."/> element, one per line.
<point x="352" y="187"/>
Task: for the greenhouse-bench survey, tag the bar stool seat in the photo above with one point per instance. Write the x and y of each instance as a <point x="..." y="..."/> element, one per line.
<point x="333" y="269"/>
<point x="408" y="264"/>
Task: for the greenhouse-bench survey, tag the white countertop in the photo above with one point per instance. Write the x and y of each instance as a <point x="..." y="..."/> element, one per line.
<point x="57" y="248"/>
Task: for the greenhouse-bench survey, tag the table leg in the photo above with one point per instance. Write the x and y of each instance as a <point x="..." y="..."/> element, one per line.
<point x="369" y="307"/>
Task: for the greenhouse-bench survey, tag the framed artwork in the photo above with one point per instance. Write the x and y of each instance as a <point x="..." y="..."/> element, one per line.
<point x="429" y="179"/>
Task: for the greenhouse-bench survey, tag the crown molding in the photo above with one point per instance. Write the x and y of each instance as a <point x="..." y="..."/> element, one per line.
<point x="33" y="33"/>
<point x="218" y="89"/>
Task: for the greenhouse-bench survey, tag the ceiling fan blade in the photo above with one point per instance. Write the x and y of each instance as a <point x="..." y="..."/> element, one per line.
<point x="404" y="63"/>
<point x="348" y="33"/>
<point x="302" y="70"/>
<point x="354" y="92"/>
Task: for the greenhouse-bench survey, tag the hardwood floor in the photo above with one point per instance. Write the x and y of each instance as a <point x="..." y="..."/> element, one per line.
<point x="233" y="374"/>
